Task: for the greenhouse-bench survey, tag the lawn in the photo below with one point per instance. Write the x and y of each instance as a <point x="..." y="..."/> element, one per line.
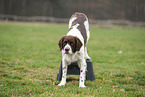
<point x="30" y="60"/>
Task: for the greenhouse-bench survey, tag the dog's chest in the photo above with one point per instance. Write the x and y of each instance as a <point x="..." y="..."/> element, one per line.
<point x="71" y="58"/>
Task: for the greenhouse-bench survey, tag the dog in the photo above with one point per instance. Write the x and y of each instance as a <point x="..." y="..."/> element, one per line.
<point x="73" y="46"/>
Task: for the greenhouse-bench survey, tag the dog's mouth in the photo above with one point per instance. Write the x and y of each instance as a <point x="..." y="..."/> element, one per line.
<point x="66" y="52"/>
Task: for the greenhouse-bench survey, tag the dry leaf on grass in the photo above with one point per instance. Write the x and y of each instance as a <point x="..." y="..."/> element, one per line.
<point x="122" y="89"/>
<point x="115" y="86"/>
<point x="120" y="52"/>
<point x="23" y="84"/>
<point x="113" y="90"/>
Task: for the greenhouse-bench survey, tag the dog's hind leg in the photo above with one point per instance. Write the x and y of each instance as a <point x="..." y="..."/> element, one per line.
<point x="86" y="54"/>
<point x="83" y="67"/>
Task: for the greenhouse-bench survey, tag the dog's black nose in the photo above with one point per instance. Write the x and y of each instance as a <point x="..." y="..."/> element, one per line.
<point x="67" y="49"/>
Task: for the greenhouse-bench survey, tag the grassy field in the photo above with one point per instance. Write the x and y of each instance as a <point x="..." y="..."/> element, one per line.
<point x="30" y="60"/>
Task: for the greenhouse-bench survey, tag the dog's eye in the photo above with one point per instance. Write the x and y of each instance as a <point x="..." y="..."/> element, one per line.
<point x="71" y="43"/>
<point x="65" y="42"/>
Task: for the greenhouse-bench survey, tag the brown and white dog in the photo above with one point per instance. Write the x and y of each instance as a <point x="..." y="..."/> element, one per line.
<point x="73" y="46"/>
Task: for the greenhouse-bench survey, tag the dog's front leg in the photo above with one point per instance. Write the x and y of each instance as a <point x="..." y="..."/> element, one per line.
<point x="64" y="73"/>
<point x="83" y="67"/>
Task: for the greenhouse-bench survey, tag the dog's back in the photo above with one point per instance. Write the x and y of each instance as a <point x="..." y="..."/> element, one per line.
<point x="80" y="21"/>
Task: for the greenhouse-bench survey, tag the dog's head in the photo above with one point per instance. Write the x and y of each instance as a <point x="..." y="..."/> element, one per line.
<point x="69" y="44"/>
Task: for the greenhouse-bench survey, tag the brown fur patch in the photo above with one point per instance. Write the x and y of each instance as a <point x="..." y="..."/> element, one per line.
<point x="74" y="42"/>
<point x="80" y="20"/>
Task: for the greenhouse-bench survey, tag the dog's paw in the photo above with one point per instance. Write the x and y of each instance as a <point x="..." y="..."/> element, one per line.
<point x="82" y="86"/>
<point x="61" y="84"/>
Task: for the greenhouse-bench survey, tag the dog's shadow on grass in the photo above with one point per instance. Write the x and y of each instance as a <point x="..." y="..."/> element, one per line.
<point x="71" y="79"/>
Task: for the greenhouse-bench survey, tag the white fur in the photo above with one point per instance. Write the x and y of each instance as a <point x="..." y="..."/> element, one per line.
<point x="70" y="49"/>
<point x="79" y="56"/>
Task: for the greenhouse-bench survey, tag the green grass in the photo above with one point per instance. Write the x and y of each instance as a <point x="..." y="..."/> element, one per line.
<point x="30" y="60"/>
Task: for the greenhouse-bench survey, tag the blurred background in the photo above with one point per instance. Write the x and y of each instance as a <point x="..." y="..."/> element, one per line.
<point x="120" y="11"/>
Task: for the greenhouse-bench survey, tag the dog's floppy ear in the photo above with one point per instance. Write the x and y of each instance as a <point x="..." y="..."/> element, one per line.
<point x="60" y="43"/>
<point x="78" y="44"/>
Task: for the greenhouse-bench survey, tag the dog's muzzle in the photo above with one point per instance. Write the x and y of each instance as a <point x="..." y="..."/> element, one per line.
<point x="67" y="50"/>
